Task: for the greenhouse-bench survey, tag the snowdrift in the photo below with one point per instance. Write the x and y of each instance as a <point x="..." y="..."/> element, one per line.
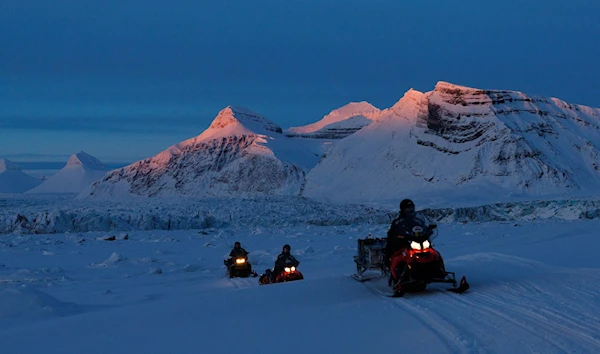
<point x="26" y="303"/>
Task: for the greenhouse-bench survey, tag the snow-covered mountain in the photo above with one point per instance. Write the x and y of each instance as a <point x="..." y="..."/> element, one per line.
<point x="78" y="174"/>
<point x="456" y="141"/>
<point x="339" y="123"/>
<point x="241" y="154"/>
<point x="13" y="180"/>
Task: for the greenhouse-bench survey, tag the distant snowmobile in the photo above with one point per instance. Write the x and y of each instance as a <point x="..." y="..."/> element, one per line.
<point x="415" y="267"/>
<point x="239" y="267"/>
<point x="287" y="274"/>
<point x="285" y="269"/>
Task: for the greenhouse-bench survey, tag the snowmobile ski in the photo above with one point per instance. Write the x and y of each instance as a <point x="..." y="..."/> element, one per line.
<point x="462" y="287"/>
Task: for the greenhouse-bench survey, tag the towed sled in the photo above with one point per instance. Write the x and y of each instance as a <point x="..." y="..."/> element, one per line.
<point x="370" y="259"/>
<point x="287" y="274"/>
<point x="415" y="267"/>
<point x="239" y="267"/>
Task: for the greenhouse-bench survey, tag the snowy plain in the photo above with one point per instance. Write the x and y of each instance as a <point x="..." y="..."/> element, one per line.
<point x="535" y="285"/>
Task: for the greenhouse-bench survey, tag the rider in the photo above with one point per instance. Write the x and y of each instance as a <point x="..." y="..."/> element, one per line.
<point x="285" y="259"/>
<point x="401" y="227"/>
<point x="238" y="251"/>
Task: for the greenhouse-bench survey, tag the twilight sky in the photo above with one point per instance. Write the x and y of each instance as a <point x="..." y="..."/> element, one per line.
<point x="125" y="79"/>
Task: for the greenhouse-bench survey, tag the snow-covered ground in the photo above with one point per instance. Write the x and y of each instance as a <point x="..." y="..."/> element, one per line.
<point x="535" y="287"/>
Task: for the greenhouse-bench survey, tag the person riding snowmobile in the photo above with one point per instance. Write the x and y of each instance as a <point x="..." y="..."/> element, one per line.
<point x="285" y="259"/>
<point x="236" y="252"/>
<point x="401" y="227"/>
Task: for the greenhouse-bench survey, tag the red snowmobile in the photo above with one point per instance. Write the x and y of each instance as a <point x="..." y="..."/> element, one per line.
<point x="420" y="264"/>
<point x="287" y="274"/>
<point x="414" y="267"/>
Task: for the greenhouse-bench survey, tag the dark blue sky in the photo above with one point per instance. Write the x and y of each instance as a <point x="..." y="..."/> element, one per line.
<point x="123" y="80"/>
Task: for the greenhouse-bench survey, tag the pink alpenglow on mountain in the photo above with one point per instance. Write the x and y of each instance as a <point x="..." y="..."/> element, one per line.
<point x="241" y="154"/>
<point x="442" y="145"/>
<point x="456" y="141"/>
<point x="13" y="180"/>
<point x="78" y="174"/>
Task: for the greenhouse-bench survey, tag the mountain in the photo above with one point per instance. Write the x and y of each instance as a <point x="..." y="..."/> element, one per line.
<point x="78" y="174"/>
<point x="339" y="123"/>
<point x="13" y="180"/>
<point x="456" y="141"/>
<point x="240" y="154"/>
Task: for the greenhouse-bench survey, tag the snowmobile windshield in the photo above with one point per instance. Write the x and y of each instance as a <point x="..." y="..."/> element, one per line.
<point x="419" y="224"/>
<point x="422" y="219"/>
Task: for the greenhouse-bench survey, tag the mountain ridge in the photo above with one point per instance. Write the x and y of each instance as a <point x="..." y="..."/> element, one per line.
<point x="241" y="153"/>
<point x="338" y="123"/>
<point x="455" y="137"/>
<point x="80" y="171"/>
<point x="13" y="180"/>
<point x="499" y="142"/>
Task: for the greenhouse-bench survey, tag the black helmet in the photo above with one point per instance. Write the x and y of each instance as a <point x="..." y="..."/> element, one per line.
<point x="407" y="205"/>
<point x="237" y="244"/>
<point x="288" y="248"/>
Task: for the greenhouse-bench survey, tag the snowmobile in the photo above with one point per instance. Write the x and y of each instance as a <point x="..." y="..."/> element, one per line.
<point x="287" y="274"/>
<point x="416" y="266"/>
<point x="239" y="267"/>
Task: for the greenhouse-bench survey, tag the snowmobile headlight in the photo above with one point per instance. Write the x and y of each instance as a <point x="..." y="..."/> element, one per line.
<point x="240" y="261"/>
<point x="287" y="269"/>
<point x="415" y="245"/>
<point x="293" y="269"/>
<point x="426" y="244"/>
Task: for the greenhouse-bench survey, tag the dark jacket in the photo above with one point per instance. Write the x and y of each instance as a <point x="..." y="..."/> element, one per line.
<point x="285" y="260"/>
<point x="401" y="228"/>
<point x="238" y="252"/>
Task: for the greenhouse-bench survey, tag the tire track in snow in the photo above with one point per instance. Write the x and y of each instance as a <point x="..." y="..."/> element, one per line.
<point x="555" y="324"/>
<point x="492" y="320"/>
<point x="512" y="316"/>
<point x="557" y="308"/>
<point x="443" y="332"/>
<point x="587" y="298"/>
<point x="441" y="326"/>
<point x="244" y="283"/>
<point x="523" y="316"/>
<point x="480" y="332"/>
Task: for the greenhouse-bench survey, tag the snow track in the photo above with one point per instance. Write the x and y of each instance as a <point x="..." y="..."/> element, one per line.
<point x="520" y="316"/>
<point x="444" y="330"/>
<point x="244" y="283"/>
